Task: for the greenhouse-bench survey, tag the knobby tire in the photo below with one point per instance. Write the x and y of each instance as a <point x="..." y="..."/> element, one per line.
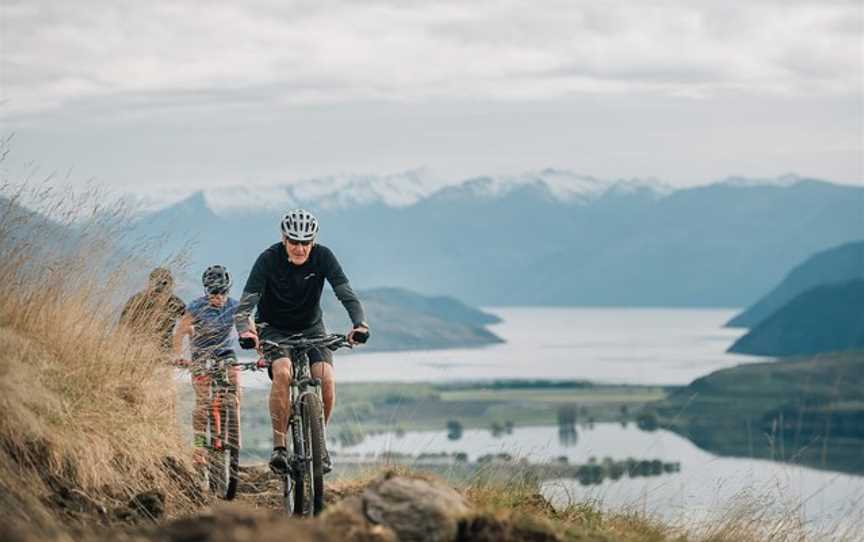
<point x="308" y="479"/>
<point x="224" y="460"/>
<point x="314" y="436"/>
<point x="301" y="490"/>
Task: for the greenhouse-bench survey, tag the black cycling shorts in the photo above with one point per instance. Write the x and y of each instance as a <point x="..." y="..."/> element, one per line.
<point x="272" y="353"/>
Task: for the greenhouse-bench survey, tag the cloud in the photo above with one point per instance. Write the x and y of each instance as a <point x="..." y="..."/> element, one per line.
<point x="291" y="53"/>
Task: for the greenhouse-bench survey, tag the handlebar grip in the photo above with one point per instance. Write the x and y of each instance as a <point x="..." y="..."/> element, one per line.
<point x="361" y="337"/>
<point x="247" y="343"/>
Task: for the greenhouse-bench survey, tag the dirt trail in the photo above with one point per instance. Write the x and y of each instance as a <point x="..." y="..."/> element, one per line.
<point x="387" y="508"/>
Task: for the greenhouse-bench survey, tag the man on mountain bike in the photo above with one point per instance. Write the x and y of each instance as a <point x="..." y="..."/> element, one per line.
<point x="152" y="312"/>
<point x="285" y="285"/>
<point x="208" y="323"/>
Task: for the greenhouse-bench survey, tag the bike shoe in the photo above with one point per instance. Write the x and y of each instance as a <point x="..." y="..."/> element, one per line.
<point x="326" y="464"/>
<point x="279" y="461"/>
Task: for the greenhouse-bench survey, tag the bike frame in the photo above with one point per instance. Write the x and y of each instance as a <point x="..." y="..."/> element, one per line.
<point x="219" y="374"/>
<point x="220" y="386"/>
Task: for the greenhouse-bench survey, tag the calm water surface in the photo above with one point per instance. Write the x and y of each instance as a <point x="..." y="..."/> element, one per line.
<point x="634" y="346"/>
<point x="638" y="346"/>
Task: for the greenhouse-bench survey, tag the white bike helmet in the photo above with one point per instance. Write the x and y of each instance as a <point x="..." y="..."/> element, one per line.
<point x="299" y="225"/>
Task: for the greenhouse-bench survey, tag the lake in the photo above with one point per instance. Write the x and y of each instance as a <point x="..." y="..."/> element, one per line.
<point x="706" y="487"/>
<point x="614" y="345"/>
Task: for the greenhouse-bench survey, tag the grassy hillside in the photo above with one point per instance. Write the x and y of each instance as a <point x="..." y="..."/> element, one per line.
<point x="805" y="410"/>
<point x="88" y="409"/>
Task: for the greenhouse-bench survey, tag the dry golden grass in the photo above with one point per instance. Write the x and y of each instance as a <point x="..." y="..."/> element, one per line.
<point x="516" y="501"/>
<point x="88" y="408"/>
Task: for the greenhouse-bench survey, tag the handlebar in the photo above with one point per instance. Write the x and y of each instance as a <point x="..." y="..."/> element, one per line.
<point x="298" y="340"/>
<point x="333" y="341"/>
<point x="242" y="365"/>
<point x="249" y="365"/>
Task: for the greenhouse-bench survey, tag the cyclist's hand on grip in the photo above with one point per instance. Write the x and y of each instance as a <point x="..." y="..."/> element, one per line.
<point x="248" y="340"/>
<point x="359" y="334"/>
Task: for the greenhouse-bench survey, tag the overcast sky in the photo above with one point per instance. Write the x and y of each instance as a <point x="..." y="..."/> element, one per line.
<point x="205" y="93"/>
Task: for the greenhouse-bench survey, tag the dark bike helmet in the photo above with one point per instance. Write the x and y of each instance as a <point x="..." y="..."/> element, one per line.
<point x="216" y="279"/>
<point x="299" y="225"/>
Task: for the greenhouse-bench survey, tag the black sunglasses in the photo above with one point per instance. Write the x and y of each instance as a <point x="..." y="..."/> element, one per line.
<point x="217" y="291"/>
<point x="295" y="242"/>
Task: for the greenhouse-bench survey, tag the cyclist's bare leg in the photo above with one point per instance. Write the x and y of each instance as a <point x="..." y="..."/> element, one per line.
<point x="280" y="404"/>
<point x="234" y="379"/>
<point x="201" y="385"/>
<point x="324" y="371"/>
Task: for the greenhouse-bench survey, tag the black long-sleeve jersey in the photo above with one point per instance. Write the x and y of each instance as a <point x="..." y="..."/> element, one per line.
<point x="288" y="296"/>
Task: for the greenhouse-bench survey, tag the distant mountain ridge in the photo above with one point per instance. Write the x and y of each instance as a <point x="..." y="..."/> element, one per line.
<point x="443" y="307"/>
<point x="554" y="238"/>
<point x="403" y="320"/>
<point x="835" y="265"/>
<point x="405" y="189"/>
<point x="827" y="318"/>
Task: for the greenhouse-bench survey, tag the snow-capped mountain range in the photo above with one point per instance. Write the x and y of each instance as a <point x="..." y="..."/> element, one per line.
<point x="547" y="237"/>
<point x="399" y="190"/>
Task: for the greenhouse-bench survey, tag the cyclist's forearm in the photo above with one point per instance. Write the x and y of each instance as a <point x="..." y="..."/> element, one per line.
<point x="182" y="329"/>
<point x="248" y="302"/>
<point x="349" y="300"/>
<point x="177" y="345"/>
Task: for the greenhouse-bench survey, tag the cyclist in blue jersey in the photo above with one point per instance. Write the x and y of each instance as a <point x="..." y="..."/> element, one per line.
<point x="208" y="322"/>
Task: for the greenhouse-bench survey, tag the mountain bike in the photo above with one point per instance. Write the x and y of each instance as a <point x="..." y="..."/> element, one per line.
<point x="303" y="484"/>
<point x="222" y="449"/>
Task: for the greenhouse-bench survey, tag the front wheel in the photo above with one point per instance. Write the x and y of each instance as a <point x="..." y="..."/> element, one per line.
<point x="308" y="440"/>
<point x="224" y="460"/>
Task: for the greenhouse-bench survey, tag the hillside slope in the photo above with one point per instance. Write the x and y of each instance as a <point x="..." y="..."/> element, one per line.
<point x="805" y="410"/>
<point x="404" y="320"/>
<point x="838" y="264"/>
<point x="827" y="318"/>
<point x="88" y="426"/>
